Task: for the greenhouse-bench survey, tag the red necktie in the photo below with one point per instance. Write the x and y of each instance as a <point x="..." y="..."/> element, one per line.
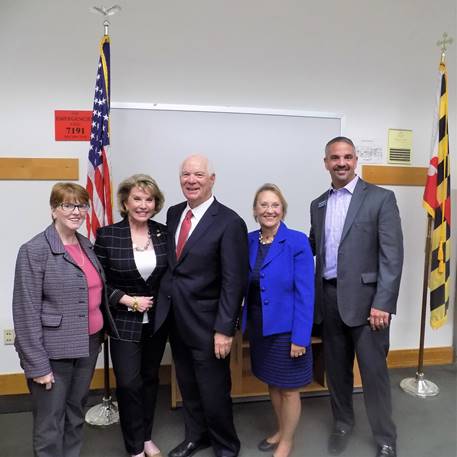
<point x="183" y="233"/>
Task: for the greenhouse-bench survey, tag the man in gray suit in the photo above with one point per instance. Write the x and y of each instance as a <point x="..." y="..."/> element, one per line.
<point x="357" y="239"/>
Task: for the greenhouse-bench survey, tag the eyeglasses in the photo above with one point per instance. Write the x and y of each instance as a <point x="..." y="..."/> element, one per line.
<point x="265" y="206"/>
<point x="70" y="207"/>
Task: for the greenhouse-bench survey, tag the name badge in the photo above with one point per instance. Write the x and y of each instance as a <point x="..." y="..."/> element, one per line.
<point x="322" y="204"/>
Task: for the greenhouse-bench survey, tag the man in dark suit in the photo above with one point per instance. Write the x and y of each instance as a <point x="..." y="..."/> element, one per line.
<point x="357" y="239"/>
<point x="204" y="286"/>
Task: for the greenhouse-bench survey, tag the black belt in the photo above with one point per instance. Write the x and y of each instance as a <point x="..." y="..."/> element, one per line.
<point x="331" y="281"/>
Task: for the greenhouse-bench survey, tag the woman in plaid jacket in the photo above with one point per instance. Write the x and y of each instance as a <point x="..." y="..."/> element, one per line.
<point x="134" y="256"/>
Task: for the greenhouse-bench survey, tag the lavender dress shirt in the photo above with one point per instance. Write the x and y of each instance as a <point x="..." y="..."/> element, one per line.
<point x="337" y="207"/>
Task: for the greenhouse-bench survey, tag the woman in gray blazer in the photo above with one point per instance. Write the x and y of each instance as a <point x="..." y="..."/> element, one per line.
<point x="59" y="311"/>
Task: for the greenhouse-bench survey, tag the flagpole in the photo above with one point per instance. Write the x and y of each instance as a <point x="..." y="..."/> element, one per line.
<point x="107" y="412"/>
<point x="419" y="386"/>
<point x="428" y="251"/>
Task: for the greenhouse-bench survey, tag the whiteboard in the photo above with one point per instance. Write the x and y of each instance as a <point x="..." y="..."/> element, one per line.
<point x="247" y="147"/>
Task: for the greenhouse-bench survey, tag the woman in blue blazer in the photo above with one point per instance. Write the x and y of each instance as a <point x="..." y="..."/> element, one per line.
<point x="279" y="312"/>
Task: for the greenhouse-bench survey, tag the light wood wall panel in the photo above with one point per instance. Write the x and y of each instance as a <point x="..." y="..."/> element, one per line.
<point x="24" y="168"/>
<point x="14" y="383"/>
<point x="394" y="176"/>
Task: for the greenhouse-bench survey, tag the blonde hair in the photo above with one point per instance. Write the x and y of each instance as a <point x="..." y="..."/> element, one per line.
<point x="145" y="183"/>
<point x="277" y="191"/>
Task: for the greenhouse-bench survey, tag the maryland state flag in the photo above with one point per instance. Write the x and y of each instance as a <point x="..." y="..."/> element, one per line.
<point x="437" y="202"/>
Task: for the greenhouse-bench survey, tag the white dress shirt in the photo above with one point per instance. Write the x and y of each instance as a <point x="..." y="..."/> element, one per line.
<point x="197" y="213"/>
<point x="146" y="262"/>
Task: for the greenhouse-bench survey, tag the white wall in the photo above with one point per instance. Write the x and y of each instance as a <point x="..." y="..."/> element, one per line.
<point x="375" y="61"/>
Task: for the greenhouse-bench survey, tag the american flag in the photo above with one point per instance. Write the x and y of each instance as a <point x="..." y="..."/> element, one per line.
<point x="98" y="175"/>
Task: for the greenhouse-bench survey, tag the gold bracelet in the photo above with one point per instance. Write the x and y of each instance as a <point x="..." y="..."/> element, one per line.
<point x="135" y="305"/>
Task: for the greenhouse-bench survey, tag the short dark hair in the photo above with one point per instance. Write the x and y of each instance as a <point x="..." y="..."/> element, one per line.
<point x="339" y="139"/>
<point x="145" y="183"/>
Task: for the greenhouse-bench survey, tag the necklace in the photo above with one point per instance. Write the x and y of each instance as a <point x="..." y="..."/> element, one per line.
<point x="146" y="246"/>
<point x="267" y="239"/>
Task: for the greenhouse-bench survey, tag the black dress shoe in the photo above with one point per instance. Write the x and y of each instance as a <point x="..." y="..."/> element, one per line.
<point x="337" y="441"/>
<point x="266" y="446"/>
<point x="188" y="448"/>
<point x="386" y="451"/>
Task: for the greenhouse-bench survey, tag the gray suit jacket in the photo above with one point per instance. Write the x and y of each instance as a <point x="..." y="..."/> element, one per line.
<point x="370" y="254"/>
<point x="50" y="303"/>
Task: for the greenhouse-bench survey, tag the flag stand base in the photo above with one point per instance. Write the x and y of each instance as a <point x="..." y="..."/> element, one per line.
<point x="103" y="414"/>
<point x="419" y="387"/>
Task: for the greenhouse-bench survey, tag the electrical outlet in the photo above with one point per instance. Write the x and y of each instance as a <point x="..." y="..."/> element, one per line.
<point x="8" y="336"/>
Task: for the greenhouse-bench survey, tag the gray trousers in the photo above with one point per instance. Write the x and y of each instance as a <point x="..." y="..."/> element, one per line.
<point x="58" y="413"/>
<point x="341" y="343"/>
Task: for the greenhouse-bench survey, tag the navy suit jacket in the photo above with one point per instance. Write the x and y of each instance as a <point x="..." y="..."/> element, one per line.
<point x="286" y="284"/>
<point x="206" y="285"/>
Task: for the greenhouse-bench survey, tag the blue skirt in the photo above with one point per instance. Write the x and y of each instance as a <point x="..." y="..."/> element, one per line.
<point x="270" y="356"/>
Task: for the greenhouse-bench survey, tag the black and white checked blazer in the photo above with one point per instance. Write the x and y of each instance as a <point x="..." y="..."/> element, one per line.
<point x="114" y="249"/>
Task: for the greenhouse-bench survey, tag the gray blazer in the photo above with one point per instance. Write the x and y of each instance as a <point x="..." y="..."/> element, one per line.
<point x="370" y="254"/>
<point x="50" y="303"/>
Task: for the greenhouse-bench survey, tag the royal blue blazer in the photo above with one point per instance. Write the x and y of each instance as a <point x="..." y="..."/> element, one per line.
<point x="286" y="285"/>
